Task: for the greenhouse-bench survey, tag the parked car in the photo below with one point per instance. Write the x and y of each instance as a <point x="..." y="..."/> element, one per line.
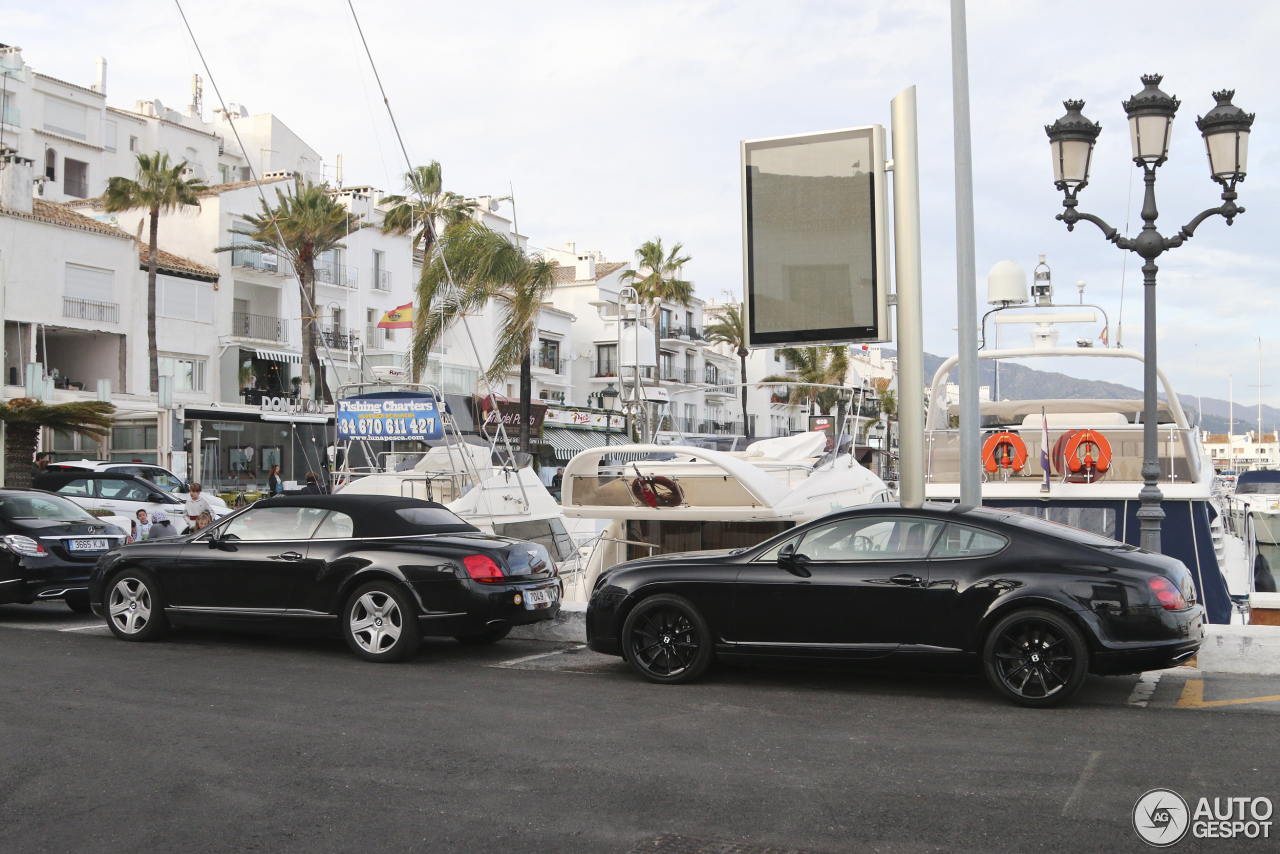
<point x="381" y="571"/>
<point x="1038" y="605"/>
<point x="108" y="493"/>
<point x="161" y="477"/>
<point x="48" y="545"/>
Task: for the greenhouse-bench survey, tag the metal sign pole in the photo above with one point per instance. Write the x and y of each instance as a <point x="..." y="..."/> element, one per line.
<point x="906" y="246"/>
<point x="966" y="266"/>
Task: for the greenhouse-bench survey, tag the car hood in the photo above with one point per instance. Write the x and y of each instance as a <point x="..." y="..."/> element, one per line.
<point x="684" y="557"/>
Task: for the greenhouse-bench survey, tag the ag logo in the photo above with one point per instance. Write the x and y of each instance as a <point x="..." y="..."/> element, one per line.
<point x="1161" y="817"/>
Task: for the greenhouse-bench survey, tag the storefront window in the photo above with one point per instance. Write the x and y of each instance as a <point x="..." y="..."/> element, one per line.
<point x="134" y="443"/>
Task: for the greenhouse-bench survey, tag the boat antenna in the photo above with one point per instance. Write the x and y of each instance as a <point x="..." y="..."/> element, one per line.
<point x="1124" y="264"/>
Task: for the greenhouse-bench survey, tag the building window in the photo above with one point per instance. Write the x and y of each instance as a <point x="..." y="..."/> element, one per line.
<point x="75" y="178"/>
<point x="607" y="360"/>
<point x="133" y="143"/>
<point x="666" y="364"/>
<point x="185" y="299"/>
<point x="134" y="444"/>
<point x="224" y="172"/>
<point x="64" y="117"/>
<point x="381" y="275"/>
<point x="8" y="113"/>
<point x="665" y="321"/>
<point x="51" y="164"/>
<point x="109" y="136"/>
<point x="187" y="372"/>
<point x="549" y="355"/>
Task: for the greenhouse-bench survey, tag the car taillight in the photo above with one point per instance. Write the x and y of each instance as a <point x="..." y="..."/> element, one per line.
<point x="25" y="546"/>
<point x="1169" y="595"/>
<point x="482" y="568"/>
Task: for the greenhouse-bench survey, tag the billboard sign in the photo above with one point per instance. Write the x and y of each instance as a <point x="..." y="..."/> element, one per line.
<point x="398" y="417"/>
<point x="815" y="238"/>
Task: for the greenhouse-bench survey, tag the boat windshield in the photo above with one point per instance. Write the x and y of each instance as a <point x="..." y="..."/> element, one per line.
<point x="1259" y="487"/>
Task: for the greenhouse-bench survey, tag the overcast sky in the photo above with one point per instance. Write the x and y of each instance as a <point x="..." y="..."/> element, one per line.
<point x="617" y="122"/>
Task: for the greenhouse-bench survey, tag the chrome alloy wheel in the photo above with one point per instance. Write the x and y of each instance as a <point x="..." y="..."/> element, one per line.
<point x="129" y="606"/>
<point x="376" y="622"/>
<point x="1034" y="659"/>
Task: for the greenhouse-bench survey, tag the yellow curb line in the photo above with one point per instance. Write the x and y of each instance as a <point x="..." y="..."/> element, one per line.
<point x="1193" y="698"/>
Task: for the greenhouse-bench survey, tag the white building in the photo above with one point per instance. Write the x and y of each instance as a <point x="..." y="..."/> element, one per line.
<point x="1244" y="452"/>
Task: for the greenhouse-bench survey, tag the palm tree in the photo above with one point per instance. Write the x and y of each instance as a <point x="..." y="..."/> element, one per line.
<point x="728" y="329"/>
<point x="425" y="201"/>
<point x="655" y="277"/>
<point x="160" y="188"/>
<point x="23" y="418"/>
<point x="814" y="367"/>
<point x="302" y="226"/>
<point x="485" y="265"/>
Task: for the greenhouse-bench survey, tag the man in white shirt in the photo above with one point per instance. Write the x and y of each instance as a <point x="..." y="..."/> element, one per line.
<point x="196" y="505"/>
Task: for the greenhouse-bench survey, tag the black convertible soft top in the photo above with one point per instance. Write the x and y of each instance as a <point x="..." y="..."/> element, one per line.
<point x="382" y="515"/>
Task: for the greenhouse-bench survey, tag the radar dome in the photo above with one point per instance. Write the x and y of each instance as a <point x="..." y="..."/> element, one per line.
<point x="1007" y="284"/>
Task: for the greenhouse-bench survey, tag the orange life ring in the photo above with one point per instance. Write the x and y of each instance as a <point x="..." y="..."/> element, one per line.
<point x="1082" y="468"/>
<point x="663" y="491"/>
<point x="1004" y="450"/>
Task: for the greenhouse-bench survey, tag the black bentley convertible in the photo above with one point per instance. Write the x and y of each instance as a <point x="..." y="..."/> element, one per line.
<point x="1038" y="604"/>
<point x="382" y="571"/>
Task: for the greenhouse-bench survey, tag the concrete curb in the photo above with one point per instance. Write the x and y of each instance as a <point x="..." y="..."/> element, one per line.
<point x="569" y="626"/>
<point x="1240" y="649"/>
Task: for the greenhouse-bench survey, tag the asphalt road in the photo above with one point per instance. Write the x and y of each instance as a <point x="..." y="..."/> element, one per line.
<point x="218" y="742"/>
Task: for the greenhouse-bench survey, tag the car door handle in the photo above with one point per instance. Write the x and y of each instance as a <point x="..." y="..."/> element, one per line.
<point x="287" y="556"/>
<point x="907" y="580"/>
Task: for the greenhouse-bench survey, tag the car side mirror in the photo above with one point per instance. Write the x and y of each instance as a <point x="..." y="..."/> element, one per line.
<point x="792" y="562"/>
<point x="153" y="498"/>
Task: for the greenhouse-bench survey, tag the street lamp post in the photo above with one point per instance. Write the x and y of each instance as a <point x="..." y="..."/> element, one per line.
<point x="1225" y="129"/>
<point x="608" y="400"/>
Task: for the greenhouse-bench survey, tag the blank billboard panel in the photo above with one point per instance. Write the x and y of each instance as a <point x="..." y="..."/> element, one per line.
<point x="813" y="212"/>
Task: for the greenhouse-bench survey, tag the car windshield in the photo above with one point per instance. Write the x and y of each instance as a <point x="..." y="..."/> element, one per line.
<point x="51" y="508"/>
<point x="164" y="480"/>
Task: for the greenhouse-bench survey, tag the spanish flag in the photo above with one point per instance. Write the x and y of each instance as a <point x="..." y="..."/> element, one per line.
<point x="400" y="317"/>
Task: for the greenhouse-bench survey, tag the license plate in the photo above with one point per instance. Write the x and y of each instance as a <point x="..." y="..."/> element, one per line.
<point x="88" y="545"/>
<point x="545" y="598"/>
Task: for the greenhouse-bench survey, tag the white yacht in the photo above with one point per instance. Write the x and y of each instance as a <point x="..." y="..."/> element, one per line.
<point x="1256" y="505"/>
<point x="683" y="498"/>
<point x="1095" y="473"/>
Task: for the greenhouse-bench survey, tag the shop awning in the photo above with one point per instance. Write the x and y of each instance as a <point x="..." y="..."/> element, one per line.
<point x="279" y="356"/>
<point x="567" y="442"/>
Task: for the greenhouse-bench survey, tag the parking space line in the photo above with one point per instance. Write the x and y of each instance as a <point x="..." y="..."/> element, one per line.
<point x="539" y="655"/>
<point x="1144" y="689"/>
<point x="1094" y="756"/>
<point x="85" y="628"/>
<point x="1193" y="698"/>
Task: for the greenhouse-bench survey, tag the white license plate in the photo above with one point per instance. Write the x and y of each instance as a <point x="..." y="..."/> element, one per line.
<point x="545" y="598"/>
<point x="88" y="545"/>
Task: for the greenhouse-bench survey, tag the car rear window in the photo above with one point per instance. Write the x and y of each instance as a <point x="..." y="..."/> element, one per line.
<point x="17" y="508"/>
<point x="430" y="517"/>
<point x="527" y="559"/>
<point x="1077" y="535"/>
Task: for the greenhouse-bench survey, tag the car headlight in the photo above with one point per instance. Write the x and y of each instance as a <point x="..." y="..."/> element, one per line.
<point x="24" y="546"/>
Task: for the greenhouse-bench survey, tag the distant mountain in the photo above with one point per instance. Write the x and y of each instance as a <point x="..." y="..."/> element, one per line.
<point x="1018" y="382"/>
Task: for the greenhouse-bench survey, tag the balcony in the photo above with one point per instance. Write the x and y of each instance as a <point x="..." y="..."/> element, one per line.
<point x="720" y="428"/>
<point x="11" y="116"/>
<point x="549" y="363"/>
<point x="88" y="309"/>
<point x="257" y="326"/>
<point x="381" y="280"/>
<point x="335" y="337"/>
<point x="77" y="188"/>
<point x="338" y="275"/>
<point x="604" y="368"/>
<point x="679" y="333"/>
<point x="256" y="259"/>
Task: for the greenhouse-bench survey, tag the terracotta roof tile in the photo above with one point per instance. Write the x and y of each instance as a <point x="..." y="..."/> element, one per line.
<point x="167" y="262"/>
<point x="59" y="214"/>
<point x="568" y="273"/>
<point x="97" y="203"/>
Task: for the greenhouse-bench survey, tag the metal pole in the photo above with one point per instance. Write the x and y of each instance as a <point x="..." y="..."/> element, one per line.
<point x="906" y="246"/>
<point x="966" y="266"/>
<point x="1150" y="513"/>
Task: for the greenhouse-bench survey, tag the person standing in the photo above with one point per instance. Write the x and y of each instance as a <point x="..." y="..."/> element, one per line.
<point x="274" y="486"/>
<point x="143" y="525"/>
<point x="313" y="484"/>
<point x="40" y="463"/>
<point x="196" y="505"/>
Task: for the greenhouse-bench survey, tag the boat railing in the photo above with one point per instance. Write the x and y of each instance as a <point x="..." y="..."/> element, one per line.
<point x="693" y="490"/>
<point x="1178" y="448"/>
<point x="575" y="579"/>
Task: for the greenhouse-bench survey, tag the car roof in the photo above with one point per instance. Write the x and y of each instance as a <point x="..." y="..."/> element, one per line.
<point x="375" y="515"/>
<point x="98" y="465"/>
<point x="86" y="474"/>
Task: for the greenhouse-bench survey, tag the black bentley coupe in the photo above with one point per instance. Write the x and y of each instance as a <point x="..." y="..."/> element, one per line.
<point x="382" y="571"/>
<point x="1038" y="604"/>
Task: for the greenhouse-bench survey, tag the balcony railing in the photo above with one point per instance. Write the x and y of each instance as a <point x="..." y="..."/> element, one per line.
<point x="604" y="368"/>
<point x="547" y="362"/>
<point x="11" y="116"/>
<point x="256" y="259"/>
<point x="339" y="275"/>
<point x="259" y="326"/>
<point x="685" y="333"/>
<point x="382" y="280"/>
<point x="336" y="337"/>
<point x="721" y="428"/>
<point x="76" y="187"/>
<point x="88" y="309"/>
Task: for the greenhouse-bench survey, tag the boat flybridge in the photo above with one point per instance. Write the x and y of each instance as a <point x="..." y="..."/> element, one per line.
<point x="1094" y="453"/>
<point x="684" y="498"/>
<point x="401" y="438"/>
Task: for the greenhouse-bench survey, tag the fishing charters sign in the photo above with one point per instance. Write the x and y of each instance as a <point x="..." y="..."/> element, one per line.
<point x="389" y="417"/>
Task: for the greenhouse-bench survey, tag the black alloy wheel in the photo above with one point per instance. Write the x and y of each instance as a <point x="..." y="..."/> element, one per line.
<point x="134" y="606"/>
<point x="486" y="637"/>
<point x="666" y="640"/>
<point x="1036" y="658"/>
<point x="380" y="623"/>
